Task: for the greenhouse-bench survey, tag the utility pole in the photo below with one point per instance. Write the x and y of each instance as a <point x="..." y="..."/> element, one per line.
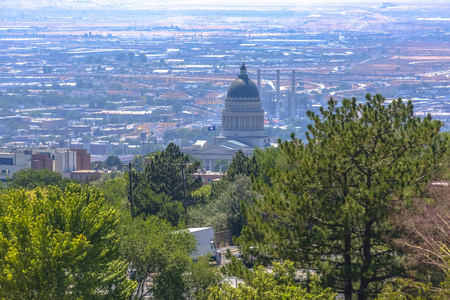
<point x="183" y="177"/>
<point x="130" y="174"/>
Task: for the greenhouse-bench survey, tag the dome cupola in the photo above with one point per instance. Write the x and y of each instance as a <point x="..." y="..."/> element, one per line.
<point x="242" y="87"/>
<point x="243" y="116"/>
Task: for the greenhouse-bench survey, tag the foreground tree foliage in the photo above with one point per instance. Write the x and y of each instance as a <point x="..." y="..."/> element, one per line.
<point x="58" y="244"/>
<point x="425" y="226"/>
<point x="402" y="289"/>
<point x="159" y="253"/>
<point x="114" y="190"/>
<point x="329" y="210"/>
<point x="201" y="277"/>
<point x="224" y="212"/>
<point x="278" y="285"/>
<point x="155" y="252"/>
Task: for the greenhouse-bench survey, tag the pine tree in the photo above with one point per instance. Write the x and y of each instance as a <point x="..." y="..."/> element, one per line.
<point x="158" y="189"/>
<point x="328" y="210"/>
<point x="242" y="164"/>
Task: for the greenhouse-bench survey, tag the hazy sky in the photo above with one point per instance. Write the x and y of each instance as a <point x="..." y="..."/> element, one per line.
<point x="179" y="3"/>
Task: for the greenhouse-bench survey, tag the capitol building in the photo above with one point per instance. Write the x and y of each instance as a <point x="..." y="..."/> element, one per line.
<point x="242" y="125"/>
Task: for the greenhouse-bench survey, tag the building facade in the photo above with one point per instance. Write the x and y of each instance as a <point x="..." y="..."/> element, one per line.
<point x="243" y="117"/>
<point x="242" y="125"/>
<point x="61" y="160"/>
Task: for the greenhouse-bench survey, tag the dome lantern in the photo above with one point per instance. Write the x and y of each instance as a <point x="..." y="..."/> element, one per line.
<point x="242" y="86"/>
<point x="243" y="71"/>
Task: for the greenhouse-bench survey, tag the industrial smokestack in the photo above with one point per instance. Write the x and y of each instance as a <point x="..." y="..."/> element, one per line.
<point x="278" y="97"/>
<point x="259" y="81"/>
<point x="293" y="106"/>
<point x="278" y="85"/>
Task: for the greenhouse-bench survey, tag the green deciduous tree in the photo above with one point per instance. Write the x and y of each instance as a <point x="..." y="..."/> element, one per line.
<point x="30" y="179"/>
<point x="403" y="289"/>
<point x="202" y="195"/>
<point x="224" y="212"/>
<point x="278" y="285"/>
<point x="159" y="253"/>
<point x="156" y="251"/>
<point x="201" y="276"/>
<point x="113" y="189"/>
<point x="268" y="159"/>
<point x="112" y="161"/>
<point x="329" y="209"/>
<point x="60" y="245"/>
<point x="138" y="162"/>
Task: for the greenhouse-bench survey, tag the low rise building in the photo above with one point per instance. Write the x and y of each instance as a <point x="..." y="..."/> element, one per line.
<point x="207" y="176"/>
<point x="61" y="160"/>
<point x="86" y="175"/>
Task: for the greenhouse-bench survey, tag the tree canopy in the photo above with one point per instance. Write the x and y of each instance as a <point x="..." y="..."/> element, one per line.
<point x="224" y="212"/>
<point x="60" y="245"/>
<point x="158" y="189"/>
<point x="278" y="285"/>
<point x="329" y="209"/>
<point x="242" y="164"/>
<point x="30" y="179"/>
<point x="112" y="161"/>
<point x="155" y="250"/>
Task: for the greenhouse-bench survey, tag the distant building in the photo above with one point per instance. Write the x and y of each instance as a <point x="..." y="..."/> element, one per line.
<point x="86" y="175"/>
<point x="61" y="160"/>
<point x="13" y="162"/>
<point x="208" y="177"/>
<point x="83" y="159"/>
<point x="210" y="99"/>
<point x="97" y="149"/>
<point x="41" y="161"/>
<point x="242" y="125"/>
<point x="175" y="95"/>
<point x="80" y="128"/>
<point x="57" y="123"/>
<point x="243" y="117"/>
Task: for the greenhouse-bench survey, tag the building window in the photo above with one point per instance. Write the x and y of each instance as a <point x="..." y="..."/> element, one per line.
<point x="6" y="161"/>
